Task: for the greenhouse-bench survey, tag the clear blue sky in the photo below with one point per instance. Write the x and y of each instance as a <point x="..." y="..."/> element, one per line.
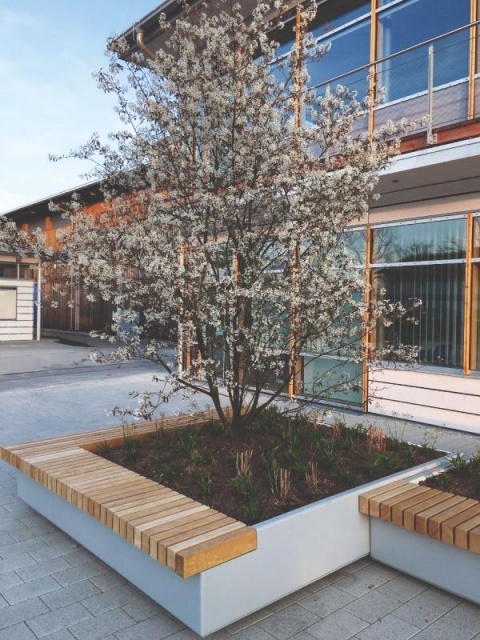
<point x="49" y="101"/>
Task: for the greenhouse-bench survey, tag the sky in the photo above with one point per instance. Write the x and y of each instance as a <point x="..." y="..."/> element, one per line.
<point x="49" y="101"/>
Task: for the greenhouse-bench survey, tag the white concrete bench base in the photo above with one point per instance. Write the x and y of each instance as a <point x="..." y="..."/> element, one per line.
<point x="443" y="565"/>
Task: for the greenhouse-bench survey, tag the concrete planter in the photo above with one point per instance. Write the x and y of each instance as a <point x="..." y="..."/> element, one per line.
<point x="293" y="550"/>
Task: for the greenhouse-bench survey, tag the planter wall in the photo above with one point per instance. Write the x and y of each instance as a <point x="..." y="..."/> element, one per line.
<point x="293" y="550"/>
<point x="445" y="566"/>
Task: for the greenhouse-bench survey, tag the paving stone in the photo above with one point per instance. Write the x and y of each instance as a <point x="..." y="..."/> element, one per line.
<point x="107" y="580"/>
<point x="63" y="634"/>
<point x="340" y="625"/>
<point x="403" y="588"/>
<point x="22" y="532"/>
<point x="76" y="592"/>
<point x="76" y="574"/>
<point x="46" y="568"/>
<point x="27" y="546"/>
<point x="365" y="579"/>
<point x="3" y="602"/>
<point x="100" y="626"/>
<point x="438" y="630"/>
<point x="22" y="612"/>
<point x="327" y="580"/>
<point x="16" y="562"/>
<point x="373" y="606"/>
<point x="389" y="628"/>
<point x="48" y="552"/>
<point x="465" y="616"/>
<point x="188" y="634"/>
<point x="142" y="608"/>
<point x="287" y="622"/>
<point x="78" y="557"/>
<point x="253" y="633"/>
<point x="55" y="537"/>
<point x="111" y="599"/>
<point x="8" y="580"/>
<point x="247" y="621"/>
<point x="17" y="632"/>
<point x="288" y="600"/>
<point x="30" y="589"/>
<point x="53" y="621"/>
<point x="6" y="539"/>
<point x="426" y="607"/>
<point x="326" y="601"/>
<point x="154" y="628"/>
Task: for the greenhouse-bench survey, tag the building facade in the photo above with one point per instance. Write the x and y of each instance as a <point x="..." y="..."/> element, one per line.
<point x="418" y="59"/>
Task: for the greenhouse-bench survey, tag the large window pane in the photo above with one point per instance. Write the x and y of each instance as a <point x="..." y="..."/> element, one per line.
<point x="409" y="23"/>
<point x="332" y="379"/>
<point x="476" y="317"/>
<point x="334" y="22"/>
<point x="350" y="49"/>
<point x="438" y="326"/>
<point x="441" y="240"/>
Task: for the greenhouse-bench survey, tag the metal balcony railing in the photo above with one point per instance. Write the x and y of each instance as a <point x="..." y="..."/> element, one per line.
<point x="436" y="78"/>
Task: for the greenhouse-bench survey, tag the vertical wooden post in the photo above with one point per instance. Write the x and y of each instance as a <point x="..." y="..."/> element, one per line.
<point x="367" y="299"/>
<point x="297" y="111"/>
<point x="467" y="313"/>
<point x="181" y="346"/>
<point x="472" y="63"/>
<point x="372" y="75"/>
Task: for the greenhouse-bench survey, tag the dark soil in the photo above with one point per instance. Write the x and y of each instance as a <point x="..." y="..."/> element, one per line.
<point x="462" y="479"/>
<point x="202" y="464"/>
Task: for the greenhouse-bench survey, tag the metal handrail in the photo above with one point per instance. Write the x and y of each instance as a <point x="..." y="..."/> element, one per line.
<point x="392" y="56"/>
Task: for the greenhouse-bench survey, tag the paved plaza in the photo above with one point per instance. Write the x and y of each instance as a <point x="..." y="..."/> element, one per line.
<point x="52" y="588"/>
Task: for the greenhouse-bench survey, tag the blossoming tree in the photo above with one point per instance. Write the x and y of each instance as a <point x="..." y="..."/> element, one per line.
<point x="226" y="199"/>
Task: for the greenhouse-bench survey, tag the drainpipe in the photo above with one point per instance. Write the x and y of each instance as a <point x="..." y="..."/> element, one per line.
<point x="143" y="46"/>
<point x="39" y="302"/>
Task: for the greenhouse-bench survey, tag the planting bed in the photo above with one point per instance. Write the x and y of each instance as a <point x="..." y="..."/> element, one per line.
<point x="279" y="464"/>
<point x="234" y="570"/>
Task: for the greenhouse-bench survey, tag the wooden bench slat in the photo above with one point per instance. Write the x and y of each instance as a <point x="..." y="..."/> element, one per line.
<point x="364" y="498"/>
<point x="400" y="508"/>
<point x="462" y="531"/>
<point x="135" y="527"/>
<point x="422" y="518"/>
<point x="447" y="532"/>
<point x="410" y="514"/>
<point x="175" y="514"/>
<point x="387" y="505"/>
<point x="149" y="541"/>
<point x="211" y="553"/>
<point x="434" y="527"/>
<point x="192" y="542"/>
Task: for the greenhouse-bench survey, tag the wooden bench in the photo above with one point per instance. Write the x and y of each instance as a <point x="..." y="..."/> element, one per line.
<point x="442" y="516"/>
<point x="180" y="533"/>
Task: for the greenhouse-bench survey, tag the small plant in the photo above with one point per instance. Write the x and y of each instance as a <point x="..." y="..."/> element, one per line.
<point x="202" y="457"/>
<point x="461" y="465"/>
<point x="104" y="449"/>
<point x="312" y="478"/>
<point x="243" y="463"/>
<point x="170" y="470"/>
<point x="248" y="493"/>
<point x="328" y="455"/>
<point x="376" y="440"/>
<point x="205" y="484"/>
<point x="131" y="444"/>
<point x="185" y="442"/>
<point x="338" y="429"/>
<point x="213" y="428"/>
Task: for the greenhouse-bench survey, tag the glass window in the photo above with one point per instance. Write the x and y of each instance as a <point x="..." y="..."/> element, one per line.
<point x="436" y="240"/>
<point x="330" y="24"/>
<point x="333" y="379"/>
<point x="435" y="274"/>
<point x="408" y="23"/>
<point x="350" y="49"/>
